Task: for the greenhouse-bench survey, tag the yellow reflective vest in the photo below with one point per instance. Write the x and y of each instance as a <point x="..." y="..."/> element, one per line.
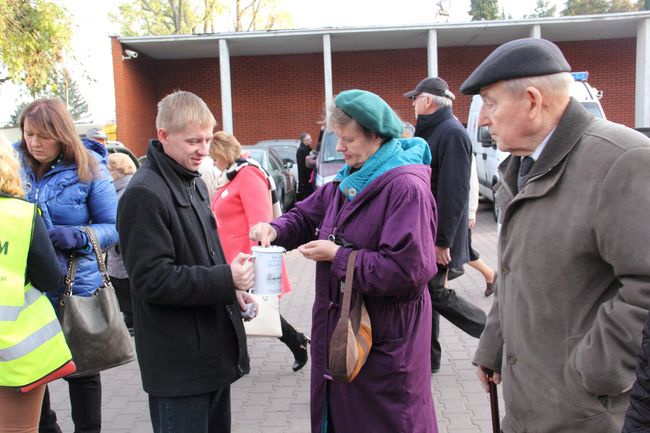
<point x="32" y="344"/>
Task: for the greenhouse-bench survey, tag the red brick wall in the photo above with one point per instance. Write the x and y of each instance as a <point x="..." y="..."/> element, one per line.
<point x="281" y="96"/>
<point x="135" y="99"/>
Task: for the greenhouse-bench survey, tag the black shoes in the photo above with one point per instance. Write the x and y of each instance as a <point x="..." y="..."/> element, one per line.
<point x="301" y="353"/>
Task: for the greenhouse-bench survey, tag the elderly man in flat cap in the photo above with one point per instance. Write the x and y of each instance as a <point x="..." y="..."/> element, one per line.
<point x="450" y="174"/>
<point x="574" y="258"/>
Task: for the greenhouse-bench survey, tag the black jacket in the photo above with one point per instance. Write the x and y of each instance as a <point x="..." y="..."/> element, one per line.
<point x="189" y="334"/>
<point x="637" y="419"/>
<point x="450" y="172"/>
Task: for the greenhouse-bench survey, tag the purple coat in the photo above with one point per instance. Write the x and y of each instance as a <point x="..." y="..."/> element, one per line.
<point x="393" y="224"/>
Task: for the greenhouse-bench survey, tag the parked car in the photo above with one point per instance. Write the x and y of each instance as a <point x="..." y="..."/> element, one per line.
<point x="285" y="182"/>
<point x="286" y="148"/>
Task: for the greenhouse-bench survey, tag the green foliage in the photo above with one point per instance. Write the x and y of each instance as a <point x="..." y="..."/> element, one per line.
<point x="67" y="90"/>
<point x="35" y="33"/>
<point x="590" y="7"/>
<point x="484" y="10"/>
<point x="167" y="17"/>
<point x="543" y="9"/>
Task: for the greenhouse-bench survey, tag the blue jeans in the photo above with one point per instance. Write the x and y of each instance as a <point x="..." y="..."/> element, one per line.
<point x="203" y="413"/>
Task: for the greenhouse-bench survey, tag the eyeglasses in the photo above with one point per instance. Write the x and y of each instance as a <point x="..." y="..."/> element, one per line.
<point x="413" y="98"/>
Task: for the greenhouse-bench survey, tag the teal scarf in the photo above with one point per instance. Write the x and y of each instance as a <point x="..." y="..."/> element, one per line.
<point x="394" y="153"/>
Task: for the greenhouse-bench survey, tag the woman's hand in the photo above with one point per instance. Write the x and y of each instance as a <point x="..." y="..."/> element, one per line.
<point x="319" y="251"/>
<point x="264" y="233"/>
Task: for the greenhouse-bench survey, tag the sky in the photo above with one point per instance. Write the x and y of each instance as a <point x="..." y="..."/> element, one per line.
<point x="91" y="64"/>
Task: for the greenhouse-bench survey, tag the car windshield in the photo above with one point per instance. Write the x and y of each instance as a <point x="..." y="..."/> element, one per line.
<point x="594" y="109"/>
<point x="286" y="151"/>
<point x="258" y="155"/>
<point x="328" y="148"/>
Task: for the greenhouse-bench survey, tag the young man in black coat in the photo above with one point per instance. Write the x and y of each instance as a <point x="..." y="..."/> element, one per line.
<point x="187" y="300"/>
<point x="450" y="175"/>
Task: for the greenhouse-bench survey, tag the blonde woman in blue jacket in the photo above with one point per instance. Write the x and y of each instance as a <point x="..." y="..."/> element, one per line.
<point x="69" y="181"/>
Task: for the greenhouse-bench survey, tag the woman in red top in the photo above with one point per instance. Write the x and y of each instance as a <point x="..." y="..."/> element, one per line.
<point x="245" y="197"/>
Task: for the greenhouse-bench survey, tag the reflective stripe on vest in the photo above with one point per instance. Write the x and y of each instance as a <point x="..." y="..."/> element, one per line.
<point x="17" y="220"/>
<point x="32" y="344"/>
<point x="10" y="313"/>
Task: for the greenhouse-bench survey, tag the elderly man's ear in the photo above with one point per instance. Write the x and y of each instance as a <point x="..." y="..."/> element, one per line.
<point x="534" y="102"/>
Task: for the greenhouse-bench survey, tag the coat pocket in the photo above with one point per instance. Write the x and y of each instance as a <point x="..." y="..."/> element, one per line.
<point x="590" y="404"/>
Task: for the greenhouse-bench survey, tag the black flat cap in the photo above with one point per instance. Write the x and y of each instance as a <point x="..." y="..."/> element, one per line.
<point x="433" y="85"/>
<point x="520" y="58"/>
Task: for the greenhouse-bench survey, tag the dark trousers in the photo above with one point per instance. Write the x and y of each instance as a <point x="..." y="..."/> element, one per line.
<point x="85" y="403"/>
<point x="123" y="294"/>
<point x="457" y="310"/>
<point x="203" y="413"/>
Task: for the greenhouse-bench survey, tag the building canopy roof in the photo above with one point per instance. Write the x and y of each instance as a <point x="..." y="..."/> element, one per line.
<point x="301" y="41"/>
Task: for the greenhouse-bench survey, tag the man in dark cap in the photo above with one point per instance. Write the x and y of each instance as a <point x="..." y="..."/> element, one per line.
<point x="450" y="174"/>
<point x="574" y="280"/>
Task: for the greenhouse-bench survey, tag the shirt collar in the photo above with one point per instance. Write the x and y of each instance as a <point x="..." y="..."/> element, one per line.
<point x="535" y="155"/>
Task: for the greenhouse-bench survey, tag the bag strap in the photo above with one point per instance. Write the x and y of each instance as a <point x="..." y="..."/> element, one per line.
<point x="98" y="253"/>
<point x="347" y="288"/>
<point x="69" y="278"/>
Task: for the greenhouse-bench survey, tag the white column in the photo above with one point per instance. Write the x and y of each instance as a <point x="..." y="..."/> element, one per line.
<point x="535" y="31"/>
<point x="226" y="90"/>
<point x="432" y="53"/>
<point x="327" y="71"/>
<point x="642" y="90"/>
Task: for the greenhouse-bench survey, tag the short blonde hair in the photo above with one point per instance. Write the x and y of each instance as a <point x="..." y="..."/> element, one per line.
<point x="120" y="165"/>
<point x="10" y="182"/>
<point x="179" y="109"/>
<point x="225" y="146"/>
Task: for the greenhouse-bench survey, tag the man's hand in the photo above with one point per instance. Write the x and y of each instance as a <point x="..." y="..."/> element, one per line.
<point x="443" y="255"/>
<point x="264" y="233"/>
<point x="471" y="224"/>
<point x="482" y="374"/>
<point x="243" y="299"/>
<point x="319" y="251"/>
<point x="243" y="274"/>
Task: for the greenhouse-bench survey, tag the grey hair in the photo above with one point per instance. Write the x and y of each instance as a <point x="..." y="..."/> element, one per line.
<point x="550" y="85"/>
<point x="440" y="101"/>
<point x="338" y="118"/>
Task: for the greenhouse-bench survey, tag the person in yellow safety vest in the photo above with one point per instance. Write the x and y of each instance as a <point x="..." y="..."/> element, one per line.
<point x="33" y="350"/>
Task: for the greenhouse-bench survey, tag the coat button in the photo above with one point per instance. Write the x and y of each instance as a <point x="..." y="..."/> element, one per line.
<point x="512" y="359"/>
<point x="212" y="251"/>
<point x="240" y="370"/>
<point x="505" y="270"/>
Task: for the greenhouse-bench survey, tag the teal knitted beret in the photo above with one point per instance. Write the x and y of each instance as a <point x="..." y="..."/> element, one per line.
<point x="370" y="111"/>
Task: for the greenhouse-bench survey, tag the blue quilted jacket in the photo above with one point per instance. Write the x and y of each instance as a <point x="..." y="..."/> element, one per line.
<point x="64" y="201"/>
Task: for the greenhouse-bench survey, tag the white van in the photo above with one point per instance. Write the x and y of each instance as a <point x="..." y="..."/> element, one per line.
<point x="488" y="157"/>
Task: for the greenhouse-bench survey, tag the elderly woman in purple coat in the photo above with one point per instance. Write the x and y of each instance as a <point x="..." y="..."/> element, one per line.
<point x="380" y="204"/>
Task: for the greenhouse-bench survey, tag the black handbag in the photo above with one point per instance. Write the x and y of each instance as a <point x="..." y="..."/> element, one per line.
<point x="93" y="325"/>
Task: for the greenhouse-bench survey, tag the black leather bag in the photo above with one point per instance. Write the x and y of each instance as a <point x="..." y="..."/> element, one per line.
<point x="93" y="325"/>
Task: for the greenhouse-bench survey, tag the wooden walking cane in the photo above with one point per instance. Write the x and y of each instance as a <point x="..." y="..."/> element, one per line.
<point x="494" y="403"/>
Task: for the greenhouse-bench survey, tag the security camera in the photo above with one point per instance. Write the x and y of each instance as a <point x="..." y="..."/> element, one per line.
<point x="130" y="54"/>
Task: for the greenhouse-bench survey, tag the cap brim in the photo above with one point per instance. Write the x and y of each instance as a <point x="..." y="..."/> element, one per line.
<point x="411" y="94"/>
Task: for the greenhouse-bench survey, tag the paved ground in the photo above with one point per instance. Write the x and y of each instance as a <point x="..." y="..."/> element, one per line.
<point x="273" y="399"/>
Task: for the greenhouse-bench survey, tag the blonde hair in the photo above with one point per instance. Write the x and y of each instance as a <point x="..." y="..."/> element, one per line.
<point x="10" y="182"/>
<point x="179" y="109"/>
<point x="120" y="165"/>
<point x="225" y="146"/>
<point x="50" y="118"/>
